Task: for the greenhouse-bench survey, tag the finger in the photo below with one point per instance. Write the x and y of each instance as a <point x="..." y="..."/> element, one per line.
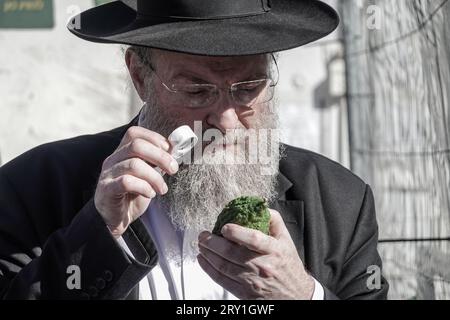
<point x="136" y="132"/>
<point x="130" y="184"/>
<point x="140" y="169"/>
<point x="225" y="282"/>
<point x="148" y="152"/>
<point x="228" y="250"/>
<point x="254" y="240"/>
<point x="277" y="226"/>
<point x="224" y="266"/>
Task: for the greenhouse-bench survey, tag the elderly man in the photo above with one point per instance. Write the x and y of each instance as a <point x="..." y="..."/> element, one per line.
<point x="115" y="215"/>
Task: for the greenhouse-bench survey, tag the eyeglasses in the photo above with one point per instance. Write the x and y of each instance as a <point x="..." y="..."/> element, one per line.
<point x="197" y="96"/>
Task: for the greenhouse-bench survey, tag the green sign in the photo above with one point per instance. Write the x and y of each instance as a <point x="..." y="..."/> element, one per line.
<point x="26" y="14"/>
<point x="99" y="2"/>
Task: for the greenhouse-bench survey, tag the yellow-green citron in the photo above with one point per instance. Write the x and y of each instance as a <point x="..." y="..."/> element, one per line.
<point x="247" y="211"/>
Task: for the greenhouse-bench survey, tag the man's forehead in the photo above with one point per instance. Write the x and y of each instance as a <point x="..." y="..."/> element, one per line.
<point x="214" y="64"/>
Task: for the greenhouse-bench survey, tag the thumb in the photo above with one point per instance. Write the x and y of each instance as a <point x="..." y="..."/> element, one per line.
<point x="277" y="227"/>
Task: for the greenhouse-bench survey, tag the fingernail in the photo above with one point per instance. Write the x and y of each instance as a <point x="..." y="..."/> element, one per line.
<point x="173" y="166"/>
<point x="224" y="229"/>
<point x="203" y="235"/>
<point x="165" y="145"/>
<point x="165" y="188"/>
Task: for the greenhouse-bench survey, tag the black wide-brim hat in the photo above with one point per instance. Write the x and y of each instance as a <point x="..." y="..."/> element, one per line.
<point x="208" y="27"/>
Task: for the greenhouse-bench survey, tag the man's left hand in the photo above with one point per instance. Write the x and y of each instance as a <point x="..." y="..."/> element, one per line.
<point x="252" y="265"/>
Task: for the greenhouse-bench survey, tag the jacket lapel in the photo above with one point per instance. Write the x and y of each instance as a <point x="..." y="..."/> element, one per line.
<point x="292" y="213"/>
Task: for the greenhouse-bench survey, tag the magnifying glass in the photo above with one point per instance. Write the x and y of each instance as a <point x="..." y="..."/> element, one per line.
<point x="182" y="139"/>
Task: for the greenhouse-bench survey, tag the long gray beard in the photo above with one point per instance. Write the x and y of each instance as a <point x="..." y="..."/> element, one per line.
<point x="198" y="192"/>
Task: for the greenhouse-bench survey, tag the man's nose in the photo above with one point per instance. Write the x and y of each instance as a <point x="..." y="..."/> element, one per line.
<point x="225" y="115"/>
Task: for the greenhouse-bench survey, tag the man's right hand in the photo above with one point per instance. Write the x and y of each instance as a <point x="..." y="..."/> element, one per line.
<point x="128" y="182"/>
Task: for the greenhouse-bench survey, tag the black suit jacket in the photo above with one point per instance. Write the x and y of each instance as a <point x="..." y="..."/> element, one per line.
<point x="48" y="222"/>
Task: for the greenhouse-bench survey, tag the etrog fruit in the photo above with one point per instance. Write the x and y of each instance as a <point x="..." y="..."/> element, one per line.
<point x="249" y="212"/>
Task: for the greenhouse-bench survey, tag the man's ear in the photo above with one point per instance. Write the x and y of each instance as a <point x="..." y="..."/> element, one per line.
<point x="137" y="72"/>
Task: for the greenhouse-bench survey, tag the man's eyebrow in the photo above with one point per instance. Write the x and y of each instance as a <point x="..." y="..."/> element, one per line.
<point x="197" y="78"/>
<point x="258" y="75"/>
<point x="189" y="76"/>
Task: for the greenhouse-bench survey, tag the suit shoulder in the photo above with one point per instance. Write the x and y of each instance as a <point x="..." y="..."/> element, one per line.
<point x="325" y="174"/>
<point x="90" y="145"/>
<point x="323" y="165"/>
<point x="76" y="156"/>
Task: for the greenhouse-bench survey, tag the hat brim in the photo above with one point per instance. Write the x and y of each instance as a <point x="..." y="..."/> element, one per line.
<point x="289" y="24"/>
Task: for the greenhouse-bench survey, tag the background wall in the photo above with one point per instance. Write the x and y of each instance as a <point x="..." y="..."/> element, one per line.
<point x="399" y="76"/>
<point x="55" y="86"/>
